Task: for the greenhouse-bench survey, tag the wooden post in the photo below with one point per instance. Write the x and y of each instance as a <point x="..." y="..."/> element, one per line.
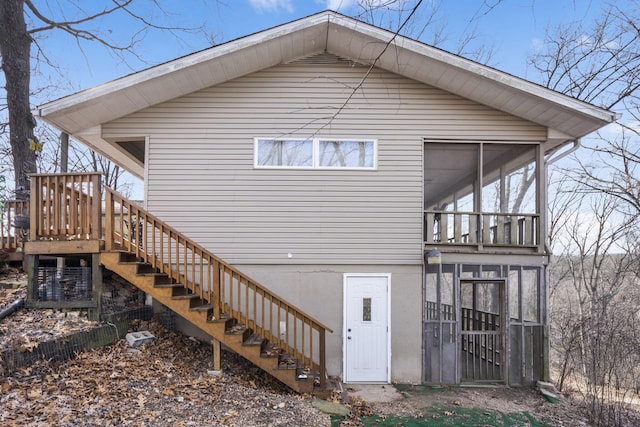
<point x="96" y="207"/>
<point x="34" y="205"/>
<point x="217" y="299"/>
<point x="323" y="360"/>
<point x="109" y="218"/>
<point x="32" y="262"/>
<point x="64" y="151"/>
<point x="64" y="163"/>
<point x="216" y="355"/>
<point x="97" y="285"/>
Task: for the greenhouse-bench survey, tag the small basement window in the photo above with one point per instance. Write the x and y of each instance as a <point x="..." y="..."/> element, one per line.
<point x="315" y="153"/>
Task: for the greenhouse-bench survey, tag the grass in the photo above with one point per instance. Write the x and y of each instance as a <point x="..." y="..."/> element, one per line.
<point x="452" y="416"/>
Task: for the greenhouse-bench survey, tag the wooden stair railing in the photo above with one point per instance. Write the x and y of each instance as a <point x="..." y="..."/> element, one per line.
<point x="213" y="286"/>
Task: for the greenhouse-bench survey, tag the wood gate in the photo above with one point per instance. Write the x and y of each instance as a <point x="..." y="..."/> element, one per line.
<point x="483" y="330"/>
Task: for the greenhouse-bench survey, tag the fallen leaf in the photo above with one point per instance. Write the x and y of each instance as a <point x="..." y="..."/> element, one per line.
<point x="142" y="400"/>
<point x="34" y="393"/>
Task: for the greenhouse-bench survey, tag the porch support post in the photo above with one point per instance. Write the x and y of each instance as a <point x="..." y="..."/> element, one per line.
<point x="541" y="198"/>
<point x="64" y="164"/>
<point x="216" y="355"/>
<point x="97" y="284"/>
<point x="543" y="293"/>
<point x="32" y="262"/>
<point x="64" y="152"/>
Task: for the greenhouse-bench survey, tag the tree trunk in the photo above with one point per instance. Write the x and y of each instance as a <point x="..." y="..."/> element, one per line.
<point x="15" y="48"/>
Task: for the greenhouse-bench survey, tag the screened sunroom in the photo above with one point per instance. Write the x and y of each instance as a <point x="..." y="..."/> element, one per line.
<point x="485" y="263"/>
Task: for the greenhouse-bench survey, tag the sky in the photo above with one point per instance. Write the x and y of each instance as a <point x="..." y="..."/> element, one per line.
<point x="512" y="29"/>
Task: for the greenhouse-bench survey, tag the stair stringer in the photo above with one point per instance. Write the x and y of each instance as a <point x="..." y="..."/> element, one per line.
<point x="199" y="318"/>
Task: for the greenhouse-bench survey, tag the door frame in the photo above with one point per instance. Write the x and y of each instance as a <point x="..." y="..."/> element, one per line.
<point x="504" y="323"/>
<point x="346" y="277"/>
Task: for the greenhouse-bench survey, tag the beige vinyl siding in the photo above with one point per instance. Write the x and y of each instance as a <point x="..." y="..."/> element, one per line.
<point x="201" y="178"/>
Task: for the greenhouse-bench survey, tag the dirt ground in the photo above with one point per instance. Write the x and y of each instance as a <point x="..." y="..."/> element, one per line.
<point x="429" y="402"/>
<point x="170" y="383"/>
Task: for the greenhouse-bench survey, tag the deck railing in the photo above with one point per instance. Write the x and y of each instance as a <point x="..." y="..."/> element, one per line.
<point x="13" y="224"/>
<point x="65" y="206"/>
<point x="229" y="291"/>
<point x="486" y="229"/>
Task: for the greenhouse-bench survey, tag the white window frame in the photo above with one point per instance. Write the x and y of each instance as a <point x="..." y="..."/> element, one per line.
<point x="316" y="154"/>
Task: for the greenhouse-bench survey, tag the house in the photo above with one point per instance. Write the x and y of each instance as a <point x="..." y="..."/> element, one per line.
<point x="391" y="192"/>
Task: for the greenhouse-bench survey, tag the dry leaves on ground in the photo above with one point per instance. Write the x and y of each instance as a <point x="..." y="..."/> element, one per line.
<point x="26" y="328"/>
<point x="166" y="383"/>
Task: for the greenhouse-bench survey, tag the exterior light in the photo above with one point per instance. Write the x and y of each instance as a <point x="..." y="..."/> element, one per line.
<point x="434" y="257"/>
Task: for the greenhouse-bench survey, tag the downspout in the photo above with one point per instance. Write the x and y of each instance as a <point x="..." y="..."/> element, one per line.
<point x="576" y="144"/>
<point x="12" y="308"/>
<point x="546" y="374"/>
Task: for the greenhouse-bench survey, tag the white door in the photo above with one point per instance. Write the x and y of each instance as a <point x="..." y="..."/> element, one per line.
<point x="366" y="328"/>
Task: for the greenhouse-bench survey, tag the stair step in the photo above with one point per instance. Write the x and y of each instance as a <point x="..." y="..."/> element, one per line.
<point x="286" y="361"/>
<point x="270" y="350"/>
<point x="151" y="274"/>
<point x="128" y="257"/>
<point x="186" y="296"/>
<point x="169" y="285"/>
<point x="203" y="307"/>
<point x="228" y="321"/>
<point x="163" y="279"/>
<point x="305" y="373"/>
<point x="254" y="340"/>
<point x="238" y="328"/>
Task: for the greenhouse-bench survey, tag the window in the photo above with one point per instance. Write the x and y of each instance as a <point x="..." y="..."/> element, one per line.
<point x="346" y="154"/>
<point x="315" y="153"/>
<point x="287" y="153"/>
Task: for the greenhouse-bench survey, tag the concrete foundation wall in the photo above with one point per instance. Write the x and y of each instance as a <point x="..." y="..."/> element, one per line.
<point x="318" y="290"/>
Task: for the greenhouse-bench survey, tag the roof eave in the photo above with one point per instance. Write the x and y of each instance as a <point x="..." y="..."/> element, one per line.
<point x="343" y="36"/>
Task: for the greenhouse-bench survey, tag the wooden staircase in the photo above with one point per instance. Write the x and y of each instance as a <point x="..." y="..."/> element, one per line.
<point x="67" y="216"/>
<point x="236" y="336"/>
<point x="234" y="309"/>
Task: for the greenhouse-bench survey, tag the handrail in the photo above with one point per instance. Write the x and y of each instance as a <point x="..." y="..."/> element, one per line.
<point x="65" y="206"/>
<point x="13" y="224"/>
<point x="482" y="228"/>
<point x="231" y="293"/>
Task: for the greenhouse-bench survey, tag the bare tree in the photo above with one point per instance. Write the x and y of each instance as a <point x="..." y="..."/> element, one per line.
<point x="424" y="21"/>
<point x="594" y="305"/>
<point x="597" y="63"/>
<point x="600" y="63"/>
<point x="23" y="23"/>
<point x="15" y="48"/>
<point x="594" y="215"/>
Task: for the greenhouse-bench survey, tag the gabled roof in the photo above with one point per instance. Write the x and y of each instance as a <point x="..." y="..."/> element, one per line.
<point x="323" y="32"/>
